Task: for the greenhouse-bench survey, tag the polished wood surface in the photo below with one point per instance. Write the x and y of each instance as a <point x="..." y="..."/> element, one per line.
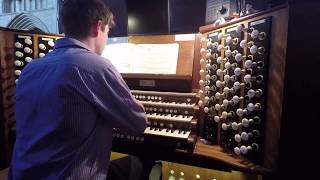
<point x="277" y="65"/>
<point x="7" y="89"/>
<point x="196" y="62"/>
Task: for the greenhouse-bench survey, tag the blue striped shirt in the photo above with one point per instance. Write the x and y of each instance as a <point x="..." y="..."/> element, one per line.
<point x="67" y="105"/>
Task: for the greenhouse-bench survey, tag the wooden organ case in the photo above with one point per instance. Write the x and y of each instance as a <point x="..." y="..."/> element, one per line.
<point x="241" y="80"/>
<point x="17" y="49"/>
<point x="234" y="86"/>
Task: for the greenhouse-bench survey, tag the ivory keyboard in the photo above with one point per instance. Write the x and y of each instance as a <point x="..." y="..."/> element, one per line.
<point x="168" y="104"/>
<point x="183" y="134"/>
<point x="172" y="120"/>
<point x="170" y="117"/>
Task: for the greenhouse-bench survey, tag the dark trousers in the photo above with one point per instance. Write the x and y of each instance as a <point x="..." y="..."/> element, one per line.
<point x="128" y="168"/>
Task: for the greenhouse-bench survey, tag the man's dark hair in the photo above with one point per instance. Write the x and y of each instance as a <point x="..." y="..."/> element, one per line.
<point x="77" y="16"/>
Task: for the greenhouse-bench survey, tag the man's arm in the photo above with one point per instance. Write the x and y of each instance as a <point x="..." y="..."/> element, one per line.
<point x="108" y="93"/>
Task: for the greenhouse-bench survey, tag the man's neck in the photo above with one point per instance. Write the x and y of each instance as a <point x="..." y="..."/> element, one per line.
<point x="90" y="43"/>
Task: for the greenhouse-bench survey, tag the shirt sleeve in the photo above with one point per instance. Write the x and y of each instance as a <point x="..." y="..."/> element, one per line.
<point x="108" y="93"/>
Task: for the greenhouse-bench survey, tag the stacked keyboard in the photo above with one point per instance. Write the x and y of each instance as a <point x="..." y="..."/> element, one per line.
<point x="172" y="119"/>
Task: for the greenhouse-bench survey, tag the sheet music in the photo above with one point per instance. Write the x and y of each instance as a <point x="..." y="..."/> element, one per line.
<point x="156" y="58"/>
<point x="143" y="58"/>
<point x="120" y="55"/>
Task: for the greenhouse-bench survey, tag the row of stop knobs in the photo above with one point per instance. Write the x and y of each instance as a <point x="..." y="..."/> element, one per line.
<point x="19" y="47"/>
<point x="231" y="83"/>
<point x="225" y="73"/>
<point x="254" y="49"/>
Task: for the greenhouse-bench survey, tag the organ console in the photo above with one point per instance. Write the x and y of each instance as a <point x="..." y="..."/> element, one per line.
<point x="219" y="107"/>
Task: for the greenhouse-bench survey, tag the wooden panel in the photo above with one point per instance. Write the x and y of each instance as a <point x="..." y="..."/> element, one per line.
<point x="186" y="50"/>
<point x="275" y="86"/>
<point x="196" y="62"/>
<point x="7" y="84"/>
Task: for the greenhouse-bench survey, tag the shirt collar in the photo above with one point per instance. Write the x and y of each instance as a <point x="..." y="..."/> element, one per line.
<point x="70" y="42"/>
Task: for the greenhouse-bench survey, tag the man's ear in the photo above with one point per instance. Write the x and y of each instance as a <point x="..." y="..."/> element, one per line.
<point x="101" y="25"/>
<point x="96" y="27"/>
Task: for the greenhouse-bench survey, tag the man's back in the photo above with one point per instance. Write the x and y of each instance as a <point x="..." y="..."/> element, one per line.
<point x="66" y="107"/>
